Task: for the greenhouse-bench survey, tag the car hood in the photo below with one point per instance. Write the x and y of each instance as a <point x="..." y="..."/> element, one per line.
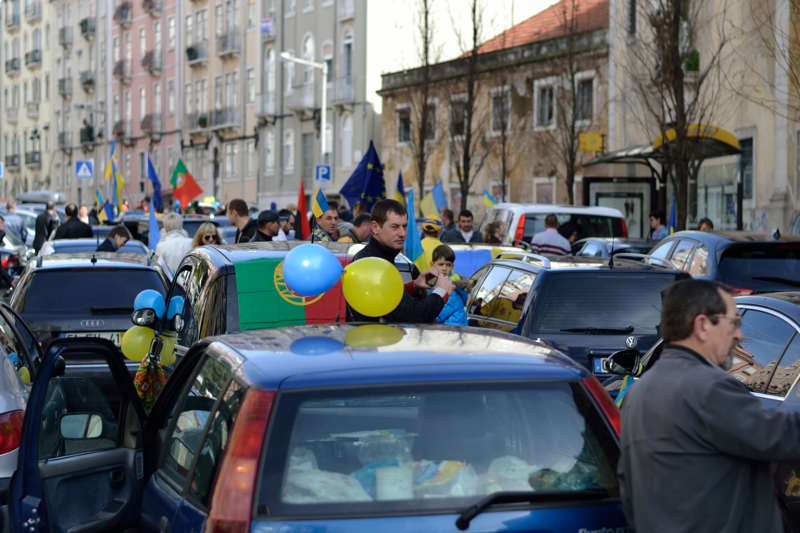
<point x="582" y="348"/>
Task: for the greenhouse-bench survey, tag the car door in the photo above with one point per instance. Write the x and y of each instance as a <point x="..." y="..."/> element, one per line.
<point x="188" y="283"/>
<point x="80" y="437"/>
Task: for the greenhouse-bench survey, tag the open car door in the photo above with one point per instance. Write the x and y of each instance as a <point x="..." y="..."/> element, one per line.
<point x="81" y="465"/>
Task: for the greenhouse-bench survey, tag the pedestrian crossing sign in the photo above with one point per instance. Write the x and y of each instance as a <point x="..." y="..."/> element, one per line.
<point x="84" y="169"/>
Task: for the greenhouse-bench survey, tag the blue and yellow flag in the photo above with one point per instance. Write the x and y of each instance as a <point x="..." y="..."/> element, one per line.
<point x="365" y="186"/>
<point x="104" y="211"/>
<point x="413" y="248"/>
<point x="319" y="204"/>
<point x="489" y="200"/>
<point x="112" y="172"/>
<point x="400" y="194"/>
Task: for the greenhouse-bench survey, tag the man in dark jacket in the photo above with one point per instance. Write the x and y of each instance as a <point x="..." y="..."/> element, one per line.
<point x="465" y="232"/>
<point x="267" y="226"/>
<point x="389" y="230"/>
<point x="696" y="445"/>
<point x="239" y="216"/>
<point x="73" y="228"/>
<point x="117" y="238"/>
<point x="46" y="223"/>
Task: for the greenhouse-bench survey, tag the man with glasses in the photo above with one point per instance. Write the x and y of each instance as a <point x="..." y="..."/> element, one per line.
<point x="117" y="238"/>
<point x="696" y="446"/>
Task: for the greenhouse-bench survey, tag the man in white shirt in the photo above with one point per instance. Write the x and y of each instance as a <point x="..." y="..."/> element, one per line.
<point x="465" y="232"/>
<point x="175" y="243"/>
<point x="286" y="226"/>
<point x="550" y="241"/>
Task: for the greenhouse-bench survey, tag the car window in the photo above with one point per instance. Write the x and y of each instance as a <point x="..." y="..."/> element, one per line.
<point x="488" y="290"/>
<point x="699" y="264"/>
<point x="189" y="283"/>
<point x="432" y="447"/>
<point x="210" y="458"/>
<point x="16" y="350"/>
<point x="510" y="301"/>
<point x="505" y="216"/>
<point x="765" y="339"/>
<point x="680" y="256"/>
<point x="582" y="225"/>
<point x="762" y="267"/>
<point x="662" y="250"/>
<point x="788" y="369"/>
<point x="24" y="334"/>
<point x="213" y="311"/>
<point x="592" y="249"/>
<point x="189" y="419"/>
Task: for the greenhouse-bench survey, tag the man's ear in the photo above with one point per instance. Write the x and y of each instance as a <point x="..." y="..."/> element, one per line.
<point x="700" y="327"/>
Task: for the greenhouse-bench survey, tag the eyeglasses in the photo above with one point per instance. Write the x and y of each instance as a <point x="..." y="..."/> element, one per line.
<point x="736" y="321"/>
<point x="208" y="237"/>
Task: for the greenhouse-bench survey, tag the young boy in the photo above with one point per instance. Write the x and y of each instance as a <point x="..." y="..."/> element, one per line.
<point x="454" y="312"/>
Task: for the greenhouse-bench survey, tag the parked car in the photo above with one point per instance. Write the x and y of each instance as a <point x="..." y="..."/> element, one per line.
<point x="341" y="428"/>
<point x="749" y="262"/>
<point x="84" y="294"/>
<point x="586" y="307"/>
<point x="606" y="247"/>
<point x="523" y="221"/>
<point x="232" y="288"/>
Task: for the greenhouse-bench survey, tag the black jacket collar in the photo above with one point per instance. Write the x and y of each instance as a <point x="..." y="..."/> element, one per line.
<point x="689" y="351"/>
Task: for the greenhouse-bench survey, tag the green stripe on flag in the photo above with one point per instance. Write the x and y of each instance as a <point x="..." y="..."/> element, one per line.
<point x="260" y="305"/>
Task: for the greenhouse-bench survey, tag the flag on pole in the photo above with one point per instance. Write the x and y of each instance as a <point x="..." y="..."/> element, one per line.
<point x="154" y="234"/>
<point x="413" y="247"/>
<point x="112" y="174"/>
<point x="184" y="187"/>
<point x="303" y="226"/>
<point x="488" y="199"/>
<point x="366" y="185"/>
<point x="428" y="205"/>
<point x="439" y="196"/>
<point x="319" y="204"/>
<point x="152" y="175"/>
<point x="400" y="194"/>
<point x="104" y="211"/>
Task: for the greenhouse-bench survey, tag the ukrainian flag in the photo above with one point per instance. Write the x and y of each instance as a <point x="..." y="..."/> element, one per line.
<point x="102" y="214"/>
<point x="112" y="171"/>
<point x="400" y="195"/>
<point x="319" y="204"/>
<point x="488" y="199"/>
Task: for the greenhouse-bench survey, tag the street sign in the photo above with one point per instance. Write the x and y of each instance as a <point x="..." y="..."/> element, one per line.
<point x="2" y="170"/>
<point x="323" y="174"/>
<point x="84" y="169"/>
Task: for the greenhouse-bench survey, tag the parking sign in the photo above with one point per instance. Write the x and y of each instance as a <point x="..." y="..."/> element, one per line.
<point x="323" y="174"/>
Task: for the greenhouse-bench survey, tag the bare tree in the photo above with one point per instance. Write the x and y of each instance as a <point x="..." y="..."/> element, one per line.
<point x="675" y="89"/>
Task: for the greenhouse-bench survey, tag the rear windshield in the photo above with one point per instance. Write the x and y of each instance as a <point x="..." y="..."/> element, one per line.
<point x="431" y="448"/>
<point x="80" y="248"/>
<point x="91" y="291"/>
<point x="580" y="224"/>
<point x="621" y="303"/>
<point x="761" y="266"/>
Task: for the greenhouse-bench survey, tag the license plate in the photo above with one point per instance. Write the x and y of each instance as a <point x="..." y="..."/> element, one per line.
<point x="599" y="365"/>
<point x="113" y="336"/>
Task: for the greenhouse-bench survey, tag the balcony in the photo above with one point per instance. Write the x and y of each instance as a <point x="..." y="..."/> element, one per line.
<point x="342" y="92"/>
<point x="197" y="122"/>
<point x="33" y="159"/>
<point x="65" y="87"/>
<point x="346" y="10"/>
<point x="33" y="58"/>
<point x="122" y="71"/>
<point x="12" y="162"/>
<point x="267" y="106"/>
<point x="123" y="15"/>
<point x="87" y="81"/>
<point x="33" y="11"/>
<point x="32" y="110"/>
<point x="153" y="7"/>
<point x="197" y="54"/>
<point x="12" y="114"/>
<point x="12" y="22"/>
<point x="123" y="130"/>
<point x="151" y="125"/>
<point x="229" y="43"/>
<point x="12" y="66"/>
<point x="65" y="37"/>
<point x="87" y="135"/>
<point x="88" y="28"/>
<point x="153" y="62"/>
<point x="64" y="139"/>
<point x="302" y="97"/>
<point x="224" y="118"/>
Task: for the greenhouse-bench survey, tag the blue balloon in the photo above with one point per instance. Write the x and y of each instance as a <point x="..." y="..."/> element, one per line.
<point x="315" y="346"/>
<point x="175" y="307"/>
<point x="150" y="299"/>
<point x="311" y="269"/>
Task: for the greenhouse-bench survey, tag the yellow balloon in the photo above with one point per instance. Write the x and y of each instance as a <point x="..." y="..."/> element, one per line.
<point x="167" y="355"/>
<point x="136" y="342"/>
<point x="24" y="375"/>
<point x="373" y="336"/>
<point x="372" y="286"/>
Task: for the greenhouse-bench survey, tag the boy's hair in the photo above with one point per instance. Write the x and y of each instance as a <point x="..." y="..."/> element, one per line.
<point x="443" y="252"/>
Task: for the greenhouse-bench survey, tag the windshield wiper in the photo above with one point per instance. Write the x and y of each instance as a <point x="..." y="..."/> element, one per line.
<point x="498" y="498"/>
<point x="776" y="279"/>
<point x="111" y="310"/>
<point x="600" y="331"/>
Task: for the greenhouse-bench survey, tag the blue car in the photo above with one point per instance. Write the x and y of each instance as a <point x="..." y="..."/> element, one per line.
<point x="322" y="428"/>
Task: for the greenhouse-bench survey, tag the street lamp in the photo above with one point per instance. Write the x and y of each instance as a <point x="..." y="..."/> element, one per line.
<point x="286" y="56"/>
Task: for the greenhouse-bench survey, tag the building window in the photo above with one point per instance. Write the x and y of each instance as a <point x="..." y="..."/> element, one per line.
<point x="142" y="42"/>
<point x="190" y="29"/>
<point x="404" y="125"/>
<point x="430" y="123"/>
<point x="142" y="103"/>
<point x="252" y="16"/>
<point x="289" y="73"/>
<point x="251" y="85"/>
<point x="202" y="25"/>
<point x="189" y="101"/>
<point x="458" y="116"/>
<point x="327" y="57"/>
<point x="271" y="71"/>
<point x="544" y="190"/>
<point x="291" y="5"/>
<point x="157" y="97"/>
<point x="288" y="152"/>
<point x="128" y="106"/>
<point x="328" y="137"/>
<point x="347" y="57"/>
<point x="269" y="152"/>
<point x="171" y="97"/>
<point x="585" y="100"/>
<point x="171" y="32"/>
<point x="746" y="167"/>
<point x="157" y="35"/>
<point x="544" y="103"/>
<point x="202" y="95"/>
<point x="501" y="110"/>
<point x="308" y="55"/>
<point x="219" y="92"/>
<point x="115" y="49"/>
<point x="219" y="19"/>
<point x="308" y="5"/>
<point x="347" y="141"/>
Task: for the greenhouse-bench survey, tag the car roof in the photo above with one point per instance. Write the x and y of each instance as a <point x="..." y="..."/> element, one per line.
<point x="575" y="263"/>
<point x="84" y="260"/>
<point x="787" y="302"/>
<point x="734" y="236"/>
<point x="350" y="354"/>
<point x="231" y="254"/>
<point x="559" y="209"/>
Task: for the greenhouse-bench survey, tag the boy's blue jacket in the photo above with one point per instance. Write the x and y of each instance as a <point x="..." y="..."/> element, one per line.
<point x="454" y="312"/>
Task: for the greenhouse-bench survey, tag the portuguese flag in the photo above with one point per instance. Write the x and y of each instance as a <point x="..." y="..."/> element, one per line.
<point x="184" y="188"/>
<point x="265" y="301"/>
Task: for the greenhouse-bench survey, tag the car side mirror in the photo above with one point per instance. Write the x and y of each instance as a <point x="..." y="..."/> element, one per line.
<point x="624" y="362"/>
<point x="81" y="426"/>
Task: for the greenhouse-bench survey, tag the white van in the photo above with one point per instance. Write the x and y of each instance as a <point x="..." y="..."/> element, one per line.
<point x="523" y="221"/>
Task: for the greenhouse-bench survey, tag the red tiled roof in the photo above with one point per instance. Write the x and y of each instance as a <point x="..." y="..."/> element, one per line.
<point x="548" y="24"/>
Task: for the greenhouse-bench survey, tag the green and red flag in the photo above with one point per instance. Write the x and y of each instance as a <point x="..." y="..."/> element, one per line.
<point x="184" y="187"/>
<point x="265" y="301"/>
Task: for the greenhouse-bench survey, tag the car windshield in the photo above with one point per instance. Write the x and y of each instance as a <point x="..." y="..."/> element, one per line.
<point x="582" y="225"/>
<point x="90" y="291"/>
<point x="431" y="448"/>
<point x="762" y="266"/>
<point x="604" y="303"/>
<point x="91" y="246"/>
